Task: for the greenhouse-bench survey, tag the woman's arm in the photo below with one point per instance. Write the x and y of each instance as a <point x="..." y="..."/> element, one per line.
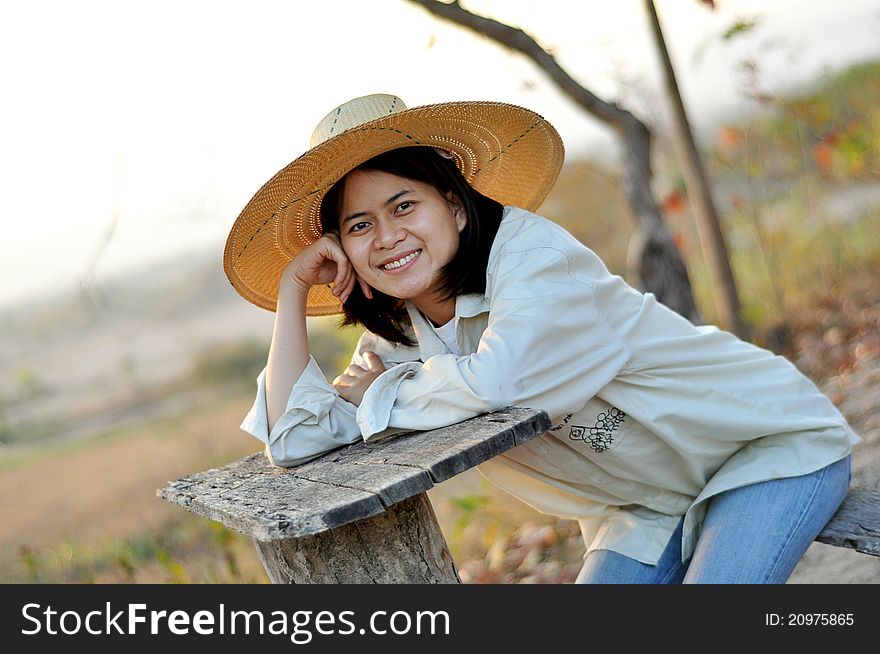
<point x="547" y="346"/>
<point x="297" y="413"/>
<point x="316" y="418"/>
<point x="320" y="263"/>
<point x="289" y="351"/>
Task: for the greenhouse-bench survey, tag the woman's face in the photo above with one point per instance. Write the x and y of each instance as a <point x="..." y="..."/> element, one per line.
<point x="398" y="233"/>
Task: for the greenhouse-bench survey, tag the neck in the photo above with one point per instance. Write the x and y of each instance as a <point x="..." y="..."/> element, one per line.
<point x="439" y="313"/>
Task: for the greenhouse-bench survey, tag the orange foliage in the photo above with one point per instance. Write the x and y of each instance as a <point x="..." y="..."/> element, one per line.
<point x="673" y="202"/>
<point x="729" y="137"/>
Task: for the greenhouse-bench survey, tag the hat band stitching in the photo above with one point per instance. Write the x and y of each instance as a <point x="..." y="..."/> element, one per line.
<point x="509" y="145"/>
<point x="265" y="222"/>
<point x="335" y="120"/>
<point x="377" y="128"/>
<point x="514" y="141"/>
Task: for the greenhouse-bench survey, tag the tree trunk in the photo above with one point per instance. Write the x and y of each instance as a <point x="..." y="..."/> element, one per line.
<point x="699" y="194"/>
<point x="403" y="545"/>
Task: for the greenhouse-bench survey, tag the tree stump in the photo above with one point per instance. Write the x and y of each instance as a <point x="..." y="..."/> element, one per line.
<point x="402" y="545"/>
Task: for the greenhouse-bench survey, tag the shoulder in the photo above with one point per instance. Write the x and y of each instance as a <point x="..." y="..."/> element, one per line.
<point x="521" y="229"/>
<point x="522" y="232"/>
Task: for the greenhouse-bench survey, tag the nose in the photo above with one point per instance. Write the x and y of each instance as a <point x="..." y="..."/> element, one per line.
<point x="388" y="234"/>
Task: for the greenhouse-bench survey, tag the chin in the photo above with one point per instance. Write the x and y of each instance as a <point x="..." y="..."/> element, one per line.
<point x="400" y="292"/>
<point x="399" y="295"/>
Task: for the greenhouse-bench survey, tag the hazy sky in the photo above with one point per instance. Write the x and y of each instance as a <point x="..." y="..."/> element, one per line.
<point x="149" y="125"/>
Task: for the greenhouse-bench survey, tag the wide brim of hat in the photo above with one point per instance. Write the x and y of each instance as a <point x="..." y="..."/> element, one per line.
<point x="505" y="152"/>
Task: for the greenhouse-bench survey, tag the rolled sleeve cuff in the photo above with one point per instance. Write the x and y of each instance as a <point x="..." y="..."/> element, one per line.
<point x="374" y="412"/>
<point x="313" y="423"/>
<point x="256" y="422"/>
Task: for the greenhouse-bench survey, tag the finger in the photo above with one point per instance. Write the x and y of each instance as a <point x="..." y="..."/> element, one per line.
<point x="339" y="285"/>
<point x="343" y="288"/>
<point x="342" y="273"/>
<point x="374" y="363"/>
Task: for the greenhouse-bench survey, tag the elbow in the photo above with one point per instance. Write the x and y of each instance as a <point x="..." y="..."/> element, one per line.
<point x="494" y="394"/>
<point x="493" y="384"/>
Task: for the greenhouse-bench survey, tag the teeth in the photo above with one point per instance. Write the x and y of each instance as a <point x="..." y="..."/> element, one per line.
<point x="401" y="262"/>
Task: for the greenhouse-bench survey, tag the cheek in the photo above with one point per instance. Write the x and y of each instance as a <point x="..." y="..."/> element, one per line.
<point x="350" y="252"/>
<point x="454" y="240"/>
<point x="355" y="257"/>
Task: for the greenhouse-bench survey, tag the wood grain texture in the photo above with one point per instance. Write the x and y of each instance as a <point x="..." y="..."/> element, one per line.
<point x="856" y="524"/>
<point x="359" y="481"/>
<point x="402" y="545"/>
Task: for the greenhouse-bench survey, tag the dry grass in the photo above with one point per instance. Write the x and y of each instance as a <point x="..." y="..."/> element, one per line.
<point x="78" y="499"/>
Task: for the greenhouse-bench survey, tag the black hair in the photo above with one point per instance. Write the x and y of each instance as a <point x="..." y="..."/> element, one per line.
<point x="384" y="315"/>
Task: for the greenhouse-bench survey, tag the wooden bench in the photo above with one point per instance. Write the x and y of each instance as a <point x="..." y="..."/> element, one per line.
<point x="361" y="514"/>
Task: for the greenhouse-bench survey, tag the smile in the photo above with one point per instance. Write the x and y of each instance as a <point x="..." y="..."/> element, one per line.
<point x="401" y="263"/>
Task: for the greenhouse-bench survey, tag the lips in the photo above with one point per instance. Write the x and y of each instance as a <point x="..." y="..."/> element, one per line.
<point x="400" y="262"/>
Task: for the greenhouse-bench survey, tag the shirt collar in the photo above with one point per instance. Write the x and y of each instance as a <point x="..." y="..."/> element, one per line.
<point x="430" y="344"/>
<point x="470" y="305"/>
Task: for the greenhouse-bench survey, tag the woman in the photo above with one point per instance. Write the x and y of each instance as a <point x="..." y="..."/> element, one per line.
<point x="685" y="454"/>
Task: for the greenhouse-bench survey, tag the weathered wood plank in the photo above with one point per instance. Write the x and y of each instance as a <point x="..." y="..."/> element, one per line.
<point x="448" y="451"/>
<point x="256" y="498"/>
<point x="356" y="482"/>
<point x="390" y="483"/>
<point x="856" y="524"/>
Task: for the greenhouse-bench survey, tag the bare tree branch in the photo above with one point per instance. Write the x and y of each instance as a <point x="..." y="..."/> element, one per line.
<point x="653" y="262"/>
<point x="712" y="241"/>
<point x="516" y="39"/>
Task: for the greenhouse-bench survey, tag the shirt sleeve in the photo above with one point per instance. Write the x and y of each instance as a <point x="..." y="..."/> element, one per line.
<point x="546" y="346"/>
<point x="316" y="419"/>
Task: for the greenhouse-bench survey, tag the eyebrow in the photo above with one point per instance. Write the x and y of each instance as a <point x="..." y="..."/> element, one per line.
<point x="390" y="200"/>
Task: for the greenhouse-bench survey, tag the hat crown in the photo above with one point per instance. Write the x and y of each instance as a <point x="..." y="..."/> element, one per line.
<point x="355" y="112"/>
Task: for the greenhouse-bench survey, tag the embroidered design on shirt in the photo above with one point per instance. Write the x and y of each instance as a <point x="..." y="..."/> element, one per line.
<point x="601" y="435"/>
<point x="562" y="424"/>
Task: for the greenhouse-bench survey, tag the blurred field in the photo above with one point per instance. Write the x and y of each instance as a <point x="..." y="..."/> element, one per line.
<point x="107" y="396"/>
<point x="78" y="511"/>
<point x="87" y="511"/>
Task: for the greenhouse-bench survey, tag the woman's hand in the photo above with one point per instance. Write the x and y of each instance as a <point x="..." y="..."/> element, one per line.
<point x="323" y="262"/>
<point x="354" y="382"/>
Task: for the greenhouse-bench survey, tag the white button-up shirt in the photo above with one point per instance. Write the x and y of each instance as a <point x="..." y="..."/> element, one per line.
<point x="651" y="415"/>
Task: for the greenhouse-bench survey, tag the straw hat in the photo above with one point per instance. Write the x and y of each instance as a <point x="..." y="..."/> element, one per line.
<point x="505" y="152"/>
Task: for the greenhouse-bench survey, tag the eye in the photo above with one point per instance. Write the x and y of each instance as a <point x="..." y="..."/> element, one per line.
<point x="404" y="206"/>
<point x="357" y="227"/>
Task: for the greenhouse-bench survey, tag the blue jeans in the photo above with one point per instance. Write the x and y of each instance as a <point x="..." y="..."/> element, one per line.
<point x="755" y="534"/>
